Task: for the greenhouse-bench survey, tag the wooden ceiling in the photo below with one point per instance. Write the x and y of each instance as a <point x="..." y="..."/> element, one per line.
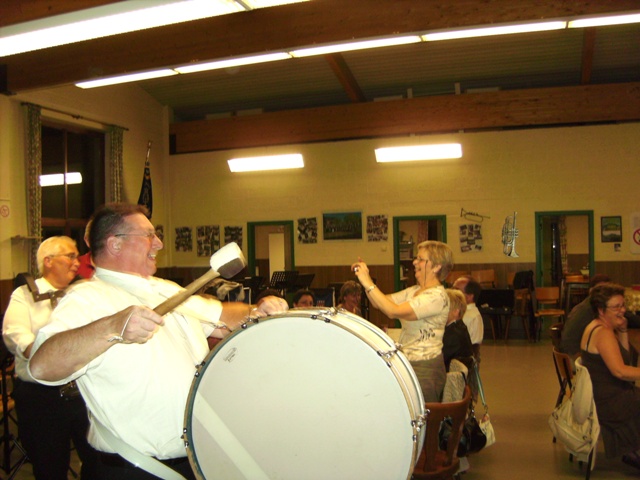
<point x="516" y="81"/>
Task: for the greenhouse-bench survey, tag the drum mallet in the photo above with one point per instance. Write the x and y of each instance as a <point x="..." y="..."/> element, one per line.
<point x="226" y="262"/>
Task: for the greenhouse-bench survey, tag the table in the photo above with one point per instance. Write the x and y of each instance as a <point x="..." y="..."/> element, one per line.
<point x="634" y="343"/>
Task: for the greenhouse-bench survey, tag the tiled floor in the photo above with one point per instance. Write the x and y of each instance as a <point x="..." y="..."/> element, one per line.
<point x="521" y="388"/>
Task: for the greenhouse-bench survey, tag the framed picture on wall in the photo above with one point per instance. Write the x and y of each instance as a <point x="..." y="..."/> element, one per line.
<point x="342" y="226"/>
<point x="611" y="229"/>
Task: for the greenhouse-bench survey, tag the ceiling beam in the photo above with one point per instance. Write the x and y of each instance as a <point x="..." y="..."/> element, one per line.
<point x="274" y="29"/>
<point x="19" y="11"/>
<point x="345" y="76"/>
<point x="424" y="115"/>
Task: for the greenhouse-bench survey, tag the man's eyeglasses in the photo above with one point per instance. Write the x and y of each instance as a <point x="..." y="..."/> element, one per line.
<point x="149" y="235"/>
<point x="616" y="308"/>
<point x="418" y="259"/>
<point x="70" y="256"/>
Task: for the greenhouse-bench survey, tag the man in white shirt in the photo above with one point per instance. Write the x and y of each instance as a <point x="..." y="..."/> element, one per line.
<point x="133" y="366"/>
<point x="472" y="317"/>
<point x="49" y="416"/>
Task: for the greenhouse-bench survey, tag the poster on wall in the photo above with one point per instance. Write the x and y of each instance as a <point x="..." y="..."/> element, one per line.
<point x="233" y="234"/>
<point x="611" y="229"/>
<point x="207" y="240"/>
<point x="634" y="224"/>
<point x="471" y="237"/>
<point x="377" y="228"/>
<point x="308" y="230"/>
<point x="160" y="232"/>
<point x="342" y="226"/>
<point x="184" y="243"/>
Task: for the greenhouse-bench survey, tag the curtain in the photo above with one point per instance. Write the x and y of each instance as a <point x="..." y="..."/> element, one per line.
<point x="423" y="230"/>
<point x="115" y="162"/>
<point x="34" y="192"/>
<point x="564" y="259"/>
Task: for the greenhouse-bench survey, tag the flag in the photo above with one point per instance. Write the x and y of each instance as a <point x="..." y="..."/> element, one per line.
<point x="146" y="197"/>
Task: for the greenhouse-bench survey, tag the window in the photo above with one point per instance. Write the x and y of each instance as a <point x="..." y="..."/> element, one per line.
<point x="73" y="161"/>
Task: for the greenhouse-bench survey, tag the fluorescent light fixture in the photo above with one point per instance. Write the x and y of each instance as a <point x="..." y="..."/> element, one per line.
<point x="132" y="77"/>
<point x="419" y="152"/>
<point x="603" y="21"/>
<point x="499" y="30"/>
<point x="346" y="47"/>
<point x="253" y="4"/>
<point x="107" y="20"/>
<point x="232" y="62"/>
<point x="54" y="179"/>
<point x="270" y="162"/>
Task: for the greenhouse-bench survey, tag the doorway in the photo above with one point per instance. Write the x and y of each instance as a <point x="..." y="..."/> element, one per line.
<point x="270" y="248"/>
<point x="564" y="244"/>
<point x="408" y="232"/>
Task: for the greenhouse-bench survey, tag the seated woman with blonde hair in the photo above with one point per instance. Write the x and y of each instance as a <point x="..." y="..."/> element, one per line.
<point x="456" y="342"/>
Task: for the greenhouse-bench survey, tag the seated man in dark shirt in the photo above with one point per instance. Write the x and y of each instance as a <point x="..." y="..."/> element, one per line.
<point x="456" y="342"/>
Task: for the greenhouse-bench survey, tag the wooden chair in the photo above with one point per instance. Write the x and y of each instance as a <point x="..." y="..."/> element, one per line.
<point x="576" y="289"/>
<point x="556" y="334"/>
<point x="547" y="304"/>
<point x="486" y="278"/>
<point x="522" y="309"/>
<point x="454" y="275"/>
<point x="564" y="370"/>
<point x="434" y="463"/>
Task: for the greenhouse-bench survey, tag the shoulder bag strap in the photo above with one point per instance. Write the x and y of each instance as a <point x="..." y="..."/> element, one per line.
<point x="132" y="455"/>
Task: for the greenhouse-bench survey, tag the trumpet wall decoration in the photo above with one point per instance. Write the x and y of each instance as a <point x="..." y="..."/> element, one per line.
<point x="472" y="216"/>
<point x="509" y="235"/>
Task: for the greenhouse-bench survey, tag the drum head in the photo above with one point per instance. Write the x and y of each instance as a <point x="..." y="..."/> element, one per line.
<point x="297" y="397"/>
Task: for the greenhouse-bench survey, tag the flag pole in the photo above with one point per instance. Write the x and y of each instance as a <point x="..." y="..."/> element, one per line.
<point x="146" y="197"/>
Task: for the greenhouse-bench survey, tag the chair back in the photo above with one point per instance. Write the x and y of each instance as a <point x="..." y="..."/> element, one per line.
<point x="454" y="275"/>
<point x="433" y="462"/>
<point x="564" y="370"/>
<point x="548" y="296"/>
<point x="574" y="278"/>
<point x="486" y="278"/>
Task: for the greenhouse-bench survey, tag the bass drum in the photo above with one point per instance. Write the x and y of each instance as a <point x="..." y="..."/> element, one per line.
<point x="303" y="395"/>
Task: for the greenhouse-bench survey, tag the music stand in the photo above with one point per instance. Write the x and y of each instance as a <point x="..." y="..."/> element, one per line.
<point x="304" y="280"/>
<point x="283" y="281"/>
<point x="9" y="441"/>
<point x="325" y="297"/>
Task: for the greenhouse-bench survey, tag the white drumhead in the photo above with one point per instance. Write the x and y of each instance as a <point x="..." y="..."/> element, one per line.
<point x="297" y="397"/>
